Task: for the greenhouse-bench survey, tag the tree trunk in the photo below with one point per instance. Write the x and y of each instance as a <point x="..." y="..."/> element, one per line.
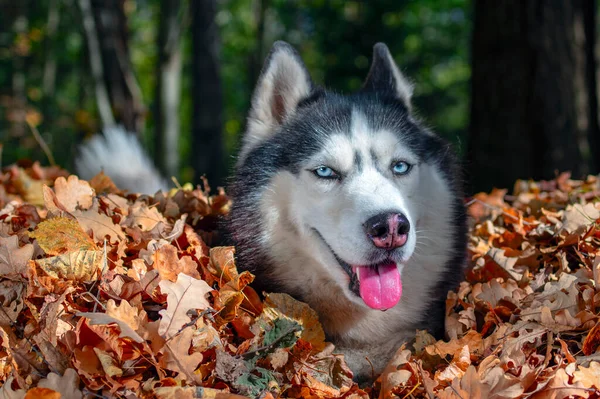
<point x="530" y="111"/>
<point x="110" y="22"/>
<point x="591" y="82"/>
<point x="207" y="96"/>
<point x="50" y="53"/>
<point x="168" y="89"/>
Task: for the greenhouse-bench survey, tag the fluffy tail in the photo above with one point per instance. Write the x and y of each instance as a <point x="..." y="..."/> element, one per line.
<point x="120" y="155"/>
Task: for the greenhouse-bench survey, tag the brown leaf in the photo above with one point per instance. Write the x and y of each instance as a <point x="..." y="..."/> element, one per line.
<point x="73" y="193"/>
<point x="14" y="259"/>
<point x="578" y="218"/>
<point x="104" y="319"/>
<point x="588" y="376"/>
<point x="99" y="225"/>
<point x="168" y="264"/>
<point x="177" y="356"/>
<point x="592" y="340"/>
<point x="144" y="217"/>
<point x="102" y="184"/>
<point x="559" y="387"/>
<point x="108" y="363"/>
<point x="185" y="294"/>
<point x="283" y="305"/>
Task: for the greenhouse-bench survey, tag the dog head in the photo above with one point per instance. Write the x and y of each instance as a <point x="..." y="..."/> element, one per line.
<point x="339" y="189"/>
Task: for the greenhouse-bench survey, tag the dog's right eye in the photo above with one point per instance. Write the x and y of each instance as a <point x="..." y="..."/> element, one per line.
<point x="325" y="172"/>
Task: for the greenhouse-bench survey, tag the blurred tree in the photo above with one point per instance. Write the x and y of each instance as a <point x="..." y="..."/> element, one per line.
<point x="534" y="106"/>
<point x="207" y="155"/>
<point x="168" y="90"/>
<point x="111" y="32"/>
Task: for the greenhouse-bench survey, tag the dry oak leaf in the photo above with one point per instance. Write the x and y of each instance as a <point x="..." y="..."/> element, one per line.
<point x="457" y="368"/>
<point x="126" y="313"/>
<point x="30" y="189"/>
<point x="577" y="218"/>
<point x="109" y="364"/>
<point x="588" y="376"/>
<point x="283" y="305"/>
<point x="469" y="386"/>
<point x="13" y="259"/>
<point x="67" y="385"/>
<point x="100" y="225"/>
<point x="51" y="202"/>
<point x="74" y="193"/>
<point x="168" y="264"/>
<point x="559" y="387"/>
<point x="144" y="217"/>
<point x="104" y="319"/>
<point x="61" y="235"/>
<point x="391" y="376"/>
<point x="176" y="356"/>
<point x="79" y="266"/>
<point x="185" y="294"/>
<point x="472" y="339"/>
<point x="592" y="340"/>
<point x="103" y="184"/>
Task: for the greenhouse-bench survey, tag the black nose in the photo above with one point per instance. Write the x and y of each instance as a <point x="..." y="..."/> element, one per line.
<point x="387" y="230"/>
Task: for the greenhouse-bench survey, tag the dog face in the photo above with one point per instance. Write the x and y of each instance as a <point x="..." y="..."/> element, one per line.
<point x="340" y="192"/>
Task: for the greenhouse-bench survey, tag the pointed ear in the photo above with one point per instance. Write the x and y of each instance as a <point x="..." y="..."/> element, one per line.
<point x="283" y="83"/>
<point x="384" y="76"/>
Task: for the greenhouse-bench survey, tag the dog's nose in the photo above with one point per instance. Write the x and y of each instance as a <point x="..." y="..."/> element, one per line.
<point x="388" y="230"/>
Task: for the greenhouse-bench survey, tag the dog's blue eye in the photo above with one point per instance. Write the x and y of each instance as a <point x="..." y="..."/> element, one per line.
<point x="325" y="172"/>
<point x="401" y="168"/>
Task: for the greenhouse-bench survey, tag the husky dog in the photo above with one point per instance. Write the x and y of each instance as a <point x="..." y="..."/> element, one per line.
<point x="349" y="204"/>
<point x="346" y="202"/>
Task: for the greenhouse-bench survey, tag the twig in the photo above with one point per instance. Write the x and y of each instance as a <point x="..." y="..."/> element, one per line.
<point x="38" y="137"/>
<point x="251" y="354"/>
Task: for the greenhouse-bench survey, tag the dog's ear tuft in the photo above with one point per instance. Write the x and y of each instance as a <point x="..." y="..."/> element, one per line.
<point x="283" y="83"/>
<point x="385" y="76"/>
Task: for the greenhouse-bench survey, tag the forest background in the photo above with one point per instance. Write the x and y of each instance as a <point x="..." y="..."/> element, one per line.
<point x="512" y="84"/>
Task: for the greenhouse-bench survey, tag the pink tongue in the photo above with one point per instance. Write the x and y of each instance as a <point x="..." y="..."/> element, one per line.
<point x="381" y="287"/>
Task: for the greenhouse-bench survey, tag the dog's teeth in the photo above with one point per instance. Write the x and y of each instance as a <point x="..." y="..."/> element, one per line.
<point x="358" y="273"/>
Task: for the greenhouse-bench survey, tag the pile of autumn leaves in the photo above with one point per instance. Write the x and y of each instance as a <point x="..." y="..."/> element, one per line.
<point x="113" y="295"/>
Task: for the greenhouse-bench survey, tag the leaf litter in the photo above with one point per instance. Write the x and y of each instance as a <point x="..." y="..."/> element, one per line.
<point x="109" y="294"/>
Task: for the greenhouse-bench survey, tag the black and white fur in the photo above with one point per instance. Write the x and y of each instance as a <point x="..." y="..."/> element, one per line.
<point x="302" y="234"/>
<point x="298" y="232"/>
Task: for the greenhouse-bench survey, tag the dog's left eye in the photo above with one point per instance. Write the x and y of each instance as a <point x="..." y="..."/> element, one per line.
<point x="325" y="172"/>
<point x="401" y="168"/>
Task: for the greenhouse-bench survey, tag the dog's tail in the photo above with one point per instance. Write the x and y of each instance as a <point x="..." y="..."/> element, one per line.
<point x="121" y="157"/>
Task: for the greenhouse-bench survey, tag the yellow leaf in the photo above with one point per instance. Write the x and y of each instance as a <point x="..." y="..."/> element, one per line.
<point x="109" y="365"/>
<point x="80" y="265"/>
<point x="62" y="235"/>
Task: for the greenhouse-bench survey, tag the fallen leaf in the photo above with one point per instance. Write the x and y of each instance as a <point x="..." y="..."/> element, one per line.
<point x="104" y="319"/>
<point x="73" y="193"/>
<point x="61" y="235"/>
<point x="283" y="305"/>
<point x="80" y="265"/>
<point x="14" y="259"/>
<point x="185" y="294"/>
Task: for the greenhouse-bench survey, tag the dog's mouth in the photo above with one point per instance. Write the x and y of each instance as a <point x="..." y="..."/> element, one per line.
<point x="379" y="284"/>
